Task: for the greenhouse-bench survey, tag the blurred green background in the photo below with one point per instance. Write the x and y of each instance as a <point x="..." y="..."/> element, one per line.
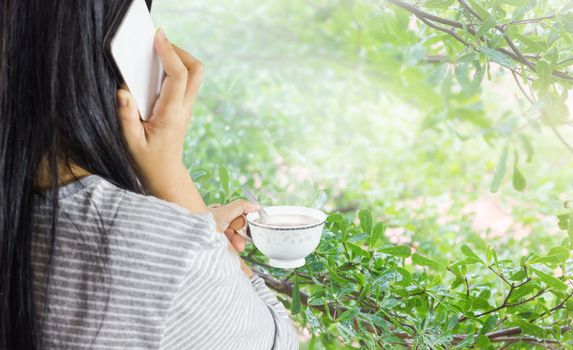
<point x="338" y="103"/>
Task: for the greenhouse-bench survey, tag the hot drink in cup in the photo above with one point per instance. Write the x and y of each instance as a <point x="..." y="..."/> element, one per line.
<point x="288" y="234"/>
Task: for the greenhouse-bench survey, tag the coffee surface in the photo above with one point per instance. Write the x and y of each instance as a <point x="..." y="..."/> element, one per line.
<point x="287" y="220"/>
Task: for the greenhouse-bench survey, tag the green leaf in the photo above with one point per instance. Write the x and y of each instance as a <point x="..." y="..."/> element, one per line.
<point x="224" y="179"/>
<point x="295" y="309"/>
<point x="512" y="2"/>
<point x="551" y="281"/>
<point x="521" y="291"/>
<point x="570" y="229"/>
<point x="529" y="328"/>
<point x="312" y="342"/>
<point x="482" y="342"/>
<point x="488" y="325"/>
<point x="479" y="9"/>
<point x="480" y="303"/>
<point x="569" y="305"/>
<point x="357" y="250"/>
<point x="486" y="26"/>
<point x="438" y="4"/>
<point x="199" y="173"/>
<point x="567" y="21"/>
<point x="347" y="315"/>
<point x="543" y="69"/>
<point x="532" y="44"/>
<point x="556" y="255"/>
<point x="563" y="221"/>
<point x="518" y="180"/>
<point x="488" y="253"/>
<point x="406" y="276"/>
<point x="491" y="254"/>
<point x="518" y="276"/>
<point x="485" y="293"/>
<point x="365" y="217"/>
<point x="377" y="232"/>
<point x="397" y="250"/>
<point x="527" y="147"/>
<point x="467" y="342"/>
<point x="500" y="170"/>
<point x="424" y="261"/>
<point x="467" y="251"/>
<point x="347" y="289"/>
<point x="497" y="57"/>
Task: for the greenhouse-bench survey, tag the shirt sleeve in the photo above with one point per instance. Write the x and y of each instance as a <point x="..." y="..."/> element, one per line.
<point x="285" y="336"/>
<point x="217" y="307"/>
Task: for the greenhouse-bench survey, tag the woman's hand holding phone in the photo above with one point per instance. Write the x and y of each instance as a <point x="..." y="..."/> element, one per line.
<point x="157" y="144"/>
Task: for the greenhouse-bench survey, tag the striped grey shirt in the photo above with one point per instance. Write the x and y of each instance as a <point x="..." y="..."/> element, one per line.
<point x="158" y="278"/>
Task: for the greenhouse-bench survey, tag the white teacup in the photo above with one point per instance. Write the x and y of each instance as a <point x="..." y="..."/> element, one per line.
<point x="286" y="246"/>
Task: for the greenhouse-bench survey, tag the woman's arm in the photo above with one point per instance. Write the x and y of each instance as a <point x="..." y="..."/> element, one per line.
<point x="217" y="307"/>
<point x="157" y="144"/>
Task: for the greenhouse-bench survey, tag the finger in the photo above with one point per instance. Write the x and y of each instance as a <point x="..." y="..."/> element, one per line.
<point x="128" y="115"/>
<point x="237" y="223"/>
<point x="240" y="207"/>
<point x="229" y="233"/>
<point x="232" y="248"/>
<point x="195" y="76"/>
<point x="243" y="233"/>
<point x="175" y="82"/>
<point x="249" y="207"/>
<point x="238" y="242"/>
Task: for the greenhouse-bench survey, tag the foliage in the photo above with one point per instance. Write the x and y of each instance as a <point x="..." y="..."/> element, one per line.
<point x="398" y="107"/>
<point x="359" y="288"/>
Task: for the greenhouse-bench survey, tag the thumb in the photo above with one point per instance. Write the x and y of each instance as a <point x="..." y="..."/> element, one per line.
<point x="128" y="114"/>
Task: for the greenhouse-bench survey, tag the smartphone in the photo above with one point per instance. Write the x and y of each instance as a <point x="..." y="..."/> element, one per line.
<point x="130" y="52"/>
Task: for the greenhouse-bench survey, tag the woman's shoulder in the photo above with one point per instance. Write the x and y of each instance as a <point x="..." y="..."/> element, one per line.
<point x="130" y="214"/>
<point x="161" y="211"/>
<point x="139" y="212"/>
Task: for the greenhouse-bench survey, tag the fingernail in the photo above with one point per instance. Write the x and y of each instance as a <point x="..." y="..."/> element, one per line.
<point x="162" y="34"/>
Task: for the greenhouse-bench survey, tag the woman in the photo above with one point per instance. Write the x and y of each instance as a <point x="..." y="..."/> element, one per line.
<point x="105" y="243"/>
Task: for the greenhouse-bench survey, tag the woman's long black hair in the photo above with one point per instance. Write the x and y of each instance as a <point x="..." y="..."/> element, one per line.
<point x="57" y="103"/>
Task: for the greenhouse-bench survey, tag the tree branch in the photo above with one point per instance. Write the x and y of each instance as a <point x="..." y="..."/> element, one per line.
<point x="335" y="310"/>
<point x="531" y="20"/>
<point x="518" y="54"/>
<point x="428" y="18"/>
<point x="506" y="304"/>
<point x="530" y="99"/>
<point x="561" y="138"/>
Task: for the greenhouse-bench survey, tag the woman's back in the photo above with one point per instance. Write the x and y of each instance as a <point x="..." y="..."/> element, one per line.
<point x="134" y="272"/>
<point x="100" y="264"/>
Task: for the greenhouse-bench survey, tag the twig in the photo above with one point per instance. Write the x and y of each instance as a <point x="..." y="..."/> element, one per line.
<point x="530" y="340"/>
<point x="521" y="87"/>
<point x="334" y="310"/>
<point x="445" y="30"/>
<point x="500" y="276"/>
<point x="501" y="29"/>
<point x="557" y="307"/>
<point x="506" y="304"/>
<point x="531" y="20"/>
<point x="561" y="138"/>
<point x="565" y="61"/>
<point x="516" y="330"/>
